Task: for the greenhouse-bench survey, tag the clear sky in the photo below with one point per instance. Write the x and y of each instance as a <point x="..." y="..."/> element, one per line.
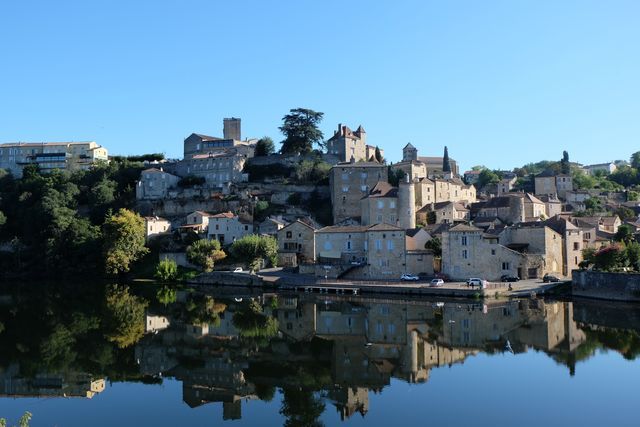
<point x="501" y="83"/>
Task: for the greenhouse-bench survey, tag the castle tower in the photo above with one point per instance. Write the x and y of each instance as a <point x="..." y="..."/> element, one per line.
<point x="407" y="204"/>
<point x="232" y="128"/>
<point x="409" y="153"/>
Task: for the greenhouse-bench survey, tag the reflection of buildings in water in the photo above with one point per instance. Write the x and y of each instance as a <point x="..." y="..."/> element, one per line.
<point x="155" y="323"/>
<point x="536" y="323"/>
<point x="349" y="400"/>
<point x="73" y="384"/>
<point x="371" y="341"/>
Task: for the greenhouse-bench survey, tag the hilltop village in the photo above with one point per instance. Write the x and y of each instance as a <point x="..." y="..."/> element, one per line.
<point x="344" y="212"/>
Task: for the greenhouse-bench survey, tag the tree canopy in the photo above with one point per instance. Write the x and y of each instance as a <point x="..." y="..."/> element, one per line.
<point x="205" y="253"/>
<point x="264" y="147"/>
<point x="124" y="240"/>
<point x="300" y="128"/>
<point x="256" y="250"/>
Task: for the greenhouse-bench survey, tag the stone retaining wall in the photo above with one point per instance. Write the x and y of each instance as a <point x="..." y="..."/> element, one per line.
<point x="610" y="286"/>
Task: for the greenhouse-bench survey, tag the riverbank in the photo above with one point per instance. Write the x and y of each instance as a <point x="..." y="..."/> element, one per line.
<point x="606" y="286"/>
<point x="278" y="279"/>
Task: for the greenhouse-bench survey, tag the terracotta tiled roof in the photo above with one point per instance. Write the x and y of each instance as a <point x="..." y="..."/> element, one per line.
<point x="223" y="215"/>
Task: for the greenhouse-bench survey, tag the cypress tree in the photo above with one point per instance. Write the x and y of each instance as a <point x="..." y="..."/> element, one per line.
<point x="446" y="164"/>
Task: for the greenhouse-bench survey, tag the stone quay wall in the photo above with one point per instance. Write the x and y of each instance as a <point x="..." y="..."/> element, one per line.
<point x="609" y="286"/>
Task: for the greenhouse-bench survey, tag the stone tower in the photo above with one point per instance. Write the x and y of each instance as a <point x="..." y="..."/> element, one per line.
<point x="409" y="153"/>
<point x="406" y="204"/>
<point x="232" y="128"/>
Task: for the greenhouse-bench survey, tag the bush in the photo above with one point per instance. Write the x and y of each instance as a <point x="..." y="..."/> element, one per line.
<point x="166" y="270"/>
<point x="205" y="253"/>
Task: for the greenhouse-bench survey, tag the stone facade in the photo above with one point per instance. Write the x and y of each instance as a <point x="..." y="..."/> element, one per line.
<point x="367" y="252"/>
<point x="527" y="252"/>
<point x="155" y="184"/>
<point x="219" y="168"/>
<point x="348" y="145"/>
<point x="227" y="228"/>
<point x="156" y="226"/>
<point x="296" y="244"/>
<point x="349" y="183"/>
<point x="381" y="205"/>
<point x="549" y="183"/>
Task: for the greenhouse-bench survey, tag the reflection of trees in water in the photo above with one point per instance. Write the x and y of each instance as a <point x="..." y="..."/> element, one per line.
<point x="301" y="408"/>
<point x="124" y="316"/>
<point x="253" y="323"/>
<point x="203" y="309"/>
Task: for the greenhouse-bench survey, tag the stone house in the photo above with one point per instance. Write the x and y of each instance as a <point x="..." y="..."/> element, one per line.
<point x="349" y="183"/>
<point x="380" y="205"/>
<point x="156" y="226"/>
<point x="226" y="228"/>
<point x="197" y="221"/>
<point x="296" y="244"/>
<point x="416" y="238"/>
<point x="348" y="145"/>
<point x="363" y="251"/>
<point x="219" y="168"/>
<point x="548" y="182"/>
<point x="445" y="212"/>
<point x="506" y="185"/>
<point x="512" y="208"/>
<point x="154" y="184"/>
<point x="527" y="252"/>
<point x="573" y="242"/>
<point x="270" y="226"/>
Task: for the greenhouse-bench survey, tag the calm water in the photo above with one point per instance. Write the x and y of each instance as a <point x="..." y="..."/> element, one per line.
<point x="311" y="360"/>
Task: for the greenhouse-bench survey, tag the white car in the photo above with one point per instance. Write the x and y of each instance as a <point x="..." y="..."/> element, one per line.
<point x="475" y="281"/>
<point x="237" y="270"/>
<point x="409" y="278"/>
<point x="436" y="283"/>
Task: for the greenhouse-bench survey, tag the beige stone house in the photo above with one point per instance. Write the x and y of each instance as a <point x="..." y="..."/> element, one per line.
<point x="380" y="205"/>
<point x="156" y="226"/>
<point x="525" y="251"/>
<point x="445" y="212"/>
<point x="349" y="183"/>
<point x="296" y="244"/>
<point x="197" y="221"/>
<point x="549" y="182"/>
<point x="363" y="251"/>
<point x="227" y="227"/>
<point x="512" y="208"/>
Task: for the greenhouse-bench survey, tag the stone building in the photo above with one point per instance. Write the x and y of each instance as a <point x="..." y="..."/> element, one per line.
<point x="380" y="205"/>
<point x="71" y="156"/>
<point x="363" y="251"/>
<point x="551" y="183"/>
<point x="512" y="208"/>
<point x="156" y="226"/>
<point x="154" y="184"/>
<point x="525" y="251"/>
<point x="296" y="244"/>
<point x="349" y="183"/>
<point x="219" y="168"/>
<point x="348" y="145"/>
<point x="226" y="228"/>
<point x="445" y="212"/>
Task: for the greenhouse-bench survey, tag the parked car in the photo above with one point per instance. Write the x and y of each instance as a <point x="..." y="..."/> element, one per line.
<point x="409" y="278"/>
<point x="475" y="281"/>
<point x="436" y="283"/>
<point x="548" y="278"/>
<point x="237" y="270"/>
<point x="509" y="278"/>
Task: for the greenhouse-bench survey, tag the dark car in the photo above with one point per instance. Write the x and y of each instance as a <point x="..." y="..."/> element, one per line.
<point x="509" y="278"/>
<point x="548" y="278"/>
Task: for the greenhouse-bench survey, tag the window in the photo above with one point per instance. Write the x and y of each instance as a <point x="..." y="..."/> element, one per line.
<point x="576" y="246"/>
<point x="465" y="254"/>
<point x="345" y="189"/>
<point x="289" y="235"/>
<point x="364" y="188"/>
<point x="390" y="245"/>
<point x="327" y="246"/>
<point x="505" y="266"/>
<point x="378" y="244"/>
<point x="493" y="251"/>
<point x="464" y="241"/>
<point x="380" y="204"/>
<point x="345" y="177"/>
<point x="348" y="245"/>
<point x="392" y="204"/>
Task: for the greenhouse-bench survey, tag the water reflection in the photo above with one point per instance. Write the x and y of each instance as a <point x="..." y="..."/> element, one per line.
<point x="318" y="350"/>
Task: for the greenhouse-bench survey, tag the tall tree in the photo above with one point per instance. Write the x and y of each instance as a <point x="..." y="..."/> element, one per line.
<point x="205" y="253"/>
<point x="565" y="167"/>
<point x="635" y="160"/>
<point x="379" y="158"/>
<point x="255" y="250"/>
<point x="264" y="147"/>
<point x="446" y="163"/>
<point x="300" y="128"/>
<point x="124" y="238"/>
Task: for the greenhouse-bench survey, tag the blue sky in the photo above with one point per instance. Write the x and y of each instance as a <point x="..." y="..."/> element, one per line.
<point x="501" y="83"/>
